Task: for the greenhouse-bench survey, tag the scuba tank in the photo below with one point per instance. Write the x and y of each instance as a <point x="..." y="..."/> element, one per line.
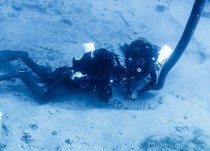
<point x="88" y="47"/>
<point x="163" y="55"/>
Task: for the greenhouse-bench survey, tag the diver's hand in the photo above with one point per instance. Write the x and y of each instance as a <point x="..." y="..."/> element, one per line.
<point x="115" y="103"/>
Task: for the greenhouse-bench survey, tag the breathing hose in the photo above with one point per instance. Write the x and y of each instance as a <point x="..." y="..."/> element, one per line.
<point x="183" y="42"/>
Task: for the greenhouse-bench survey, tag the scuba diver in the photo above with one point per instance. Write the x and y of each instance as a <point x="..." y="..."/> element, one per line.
<point x="96" y="71"/>
<point x="142" y="67"/>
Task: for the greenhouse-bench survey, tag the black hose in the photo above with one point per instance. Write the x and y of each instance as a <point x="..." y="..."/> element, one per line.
<point x="183" y="42"/>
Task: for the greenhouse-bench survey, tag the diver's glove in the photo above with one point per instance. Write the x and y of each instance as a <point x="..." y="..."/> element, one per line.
<point x="115" y="103"/>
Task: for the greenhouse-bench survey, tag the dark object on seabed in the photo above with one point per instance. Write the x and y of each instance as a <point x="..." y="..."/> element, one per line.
<point x="160" y="8"/>
<point x="163" y="7"/>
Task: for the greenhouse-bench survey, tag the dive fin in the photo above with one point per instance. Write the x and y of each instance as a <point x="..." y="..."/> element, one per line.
<point x="9" y="55"/>
<point x="12" y="74"/>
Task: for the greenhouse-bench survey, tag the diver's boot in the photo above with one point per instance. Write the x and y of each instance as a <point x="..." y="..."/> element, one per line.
<point x="13" y="74"/>
<point x="9" y="55"/>
<point x="29" y="80"/>
<point x="10" y="75"/>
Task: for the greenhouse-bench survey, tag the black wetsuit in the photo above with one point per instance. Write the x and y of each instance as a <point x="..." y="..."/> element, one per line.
<point x="99" y="69"/>
<point x="102" y="67"/>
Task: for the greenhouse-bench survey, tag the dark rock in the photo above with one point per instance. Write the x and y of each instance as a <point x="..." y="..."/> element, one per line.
<point x="27" y="138"/>
<point x="54" y="133"/>
<point x="67" y="21"/>
<point x="33" y="126"/>
<point x="177" y="96"/>
<point x="17" y="6"/>
<point x="69" y="141"/>
<point x="58" y="148"/>
<point x="2" y="146"/>
<point x="160" y="8"/>
<point x="5" y="129"/>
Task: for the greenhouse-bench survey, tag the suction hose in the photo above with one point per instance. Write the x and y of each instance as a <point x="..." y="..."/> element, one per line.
<point x="183" y="42"/>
